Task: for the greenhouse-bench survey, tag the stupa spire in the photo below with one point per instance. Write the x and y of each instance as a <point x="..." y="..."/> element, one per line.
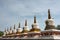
<point x="14" y="26"/>
<point x="34" y="19"/>
<point x="49" y="16"/>
<point x="25" y="22"/>
<point x="19" y="25"/>
<point x="10" y="28"/>
<point x="5" y="29"/>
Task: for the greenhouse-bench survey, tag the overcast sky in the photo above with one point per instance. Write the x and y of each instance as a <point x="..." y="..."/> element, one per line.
<point x="15" y="11"/>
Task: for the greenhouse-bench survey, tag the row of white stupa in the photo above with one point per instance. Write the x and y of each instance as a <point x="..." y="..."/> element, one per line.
<point x="35" y="31"/>
<point x="19" y="30"/>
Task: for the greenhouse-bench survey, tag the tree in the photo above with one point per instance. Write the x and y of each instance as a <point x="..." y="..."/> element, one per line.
<point x="58" y="27"/>
<point x="1" y="33"/>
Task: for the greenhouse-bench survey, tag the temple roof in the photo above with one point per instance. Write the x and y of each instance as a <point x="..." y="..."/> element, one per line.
<point x="51" y="30"/>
